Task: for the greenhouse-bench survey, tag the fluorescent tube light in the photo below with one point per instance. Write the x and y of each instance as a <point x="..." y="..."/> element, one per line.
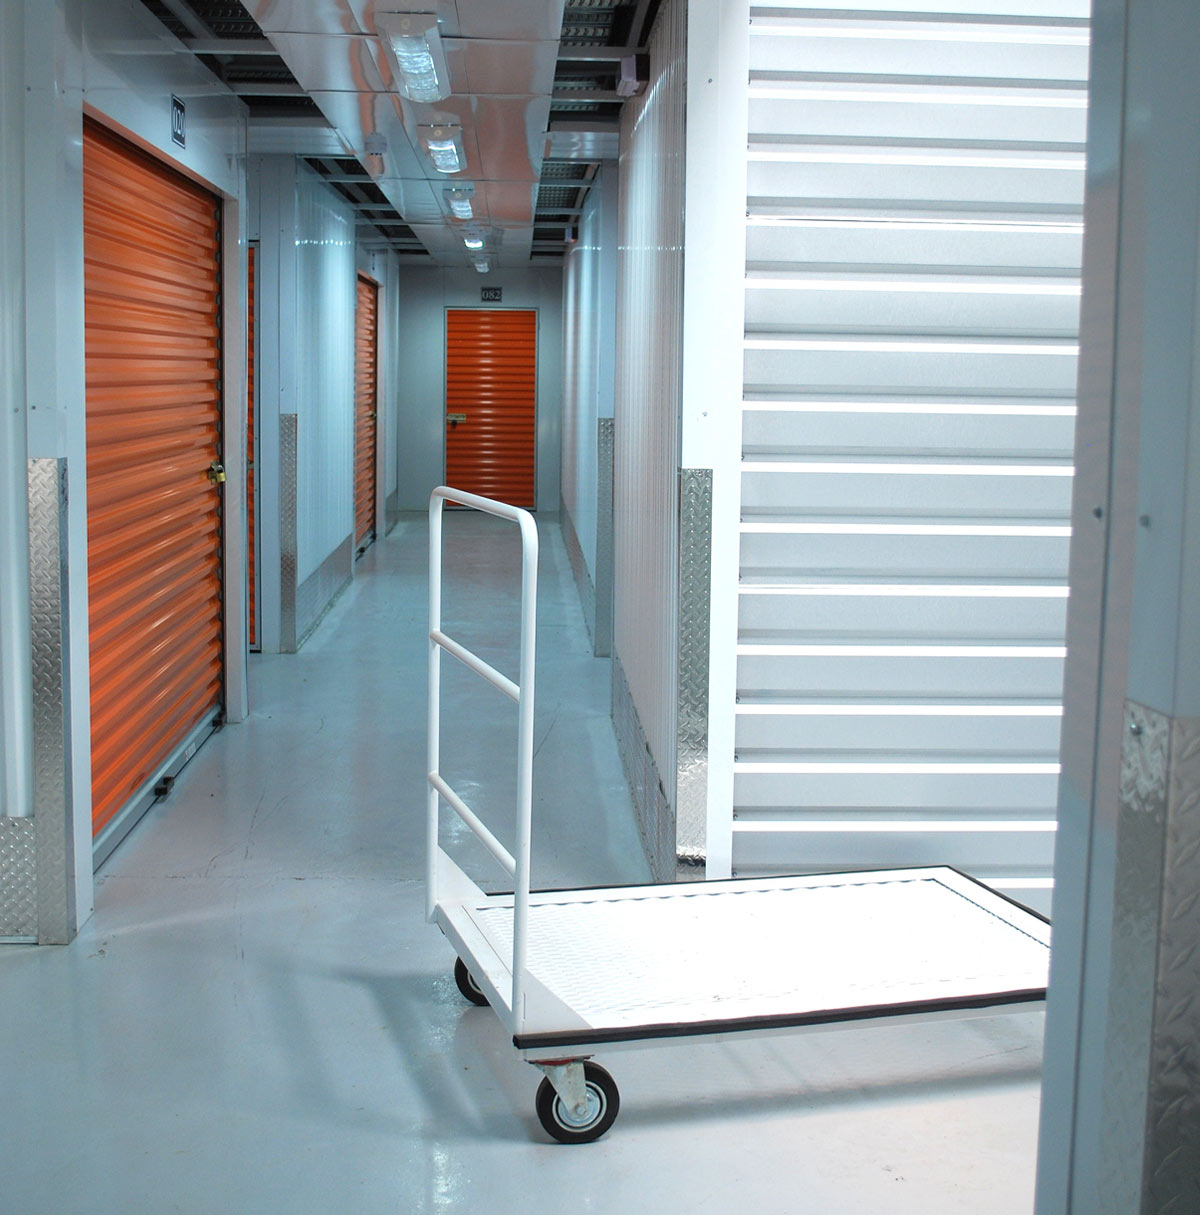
<point x="445" y="148"/>
<point x="415" y="49"/>
<point x="459" y="202"/>
<point x="444" y="155"/>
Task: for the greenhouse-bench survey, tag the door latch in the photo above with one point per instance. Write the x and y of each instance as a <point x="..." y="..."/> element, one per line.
<point x="216" y="473"/>
<point x="455" y="418"/>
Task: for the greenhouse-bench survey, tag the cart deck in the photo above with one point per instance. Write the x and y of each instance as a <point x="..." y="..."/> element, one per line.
<point x="571" y="971"/>
<point x="628" y="964"/>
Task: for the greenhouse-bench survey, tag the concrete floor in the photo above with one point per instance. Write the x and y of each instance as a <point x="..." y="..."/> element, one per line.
<point x="257" y="1018"/>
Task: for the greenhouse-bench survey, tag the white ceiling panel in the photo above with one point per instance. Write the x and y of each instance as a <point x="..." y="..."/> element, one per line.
<point x="299" y="136"/>
<point x="363" y="12"/>
<point x="509" y="204"/>
<point x="305" y="16"/>
<point x="505" y="68"/>
<point x="515" y="250"/>
<point x="356" y="115"/>
<point x="511" y="132"/>
<point x="513" y="20"/>
<point x="413" y="198"/>
<point x="332" y="63"/>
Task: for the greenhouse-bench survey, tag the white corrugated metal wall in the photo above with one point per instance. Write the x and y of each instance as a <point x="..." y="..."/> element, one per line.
<point x="914" y="222"/>
<point x="646" y="411"/>
<point x="325" y="289"/>
<point x="589" y="313"/>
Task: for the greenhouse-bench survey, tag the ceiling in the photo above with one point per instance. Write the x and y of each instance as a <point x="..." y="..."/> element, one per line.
<point x="533" y="99"/>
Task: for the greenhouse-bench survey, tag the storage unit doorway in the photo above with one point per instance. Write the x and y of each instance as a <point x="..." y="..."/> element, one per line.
<point x="366" y="405"/>
<point x="491" y="402"/>
<point x="152" y="303"/>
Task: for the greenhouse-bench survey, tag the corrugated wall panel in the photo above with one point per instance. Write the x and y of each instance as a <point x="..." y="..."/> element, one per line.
<point x="323" y="325"/>
<point x="491" y="378"/>
<point x="152" y="275"/>
<point x="366" y="395"/>
<point x="912" y="292"/>
<point x="588" y="319"/>
<point x="574" y="414"/>
<point x="647" y="409"/>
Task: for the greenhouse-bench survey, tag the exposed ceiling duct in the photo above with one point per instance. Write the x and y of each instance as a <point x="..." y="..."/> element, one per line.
<point x="503" y="149"/>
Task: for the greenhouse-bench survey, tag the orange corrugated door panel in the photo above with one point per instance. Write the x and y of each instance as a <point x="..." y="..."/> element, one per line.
<point x="151" y="298"/>
<point x="366" y="360"/>
<point x="491" y="402"/>
<point x="251" y="456"/>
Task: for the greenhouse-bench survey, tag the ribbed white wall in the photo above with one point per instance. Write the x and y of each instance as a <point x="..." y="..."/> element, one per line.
<point x="646" y="427"/>
<point x="576" y="268"/>
<point x="912" y="293"/>
<point x="589" y="324"/>
<point x="325" y="301"/>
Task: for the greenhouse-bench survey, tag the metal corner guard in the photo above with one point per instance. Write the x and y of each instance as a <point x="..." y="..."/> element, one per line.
<point x="35" y="903"/>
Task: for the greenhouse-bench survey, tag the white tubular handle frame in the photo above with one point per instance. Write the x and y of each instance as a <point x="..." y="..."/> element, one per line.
<point x="522" y="692"/>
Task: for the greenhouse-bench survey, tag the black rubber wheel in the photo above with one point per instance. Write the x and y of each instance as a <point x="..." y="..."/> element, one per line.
<point x="562" y="1124"/>
<point x="467" y="985"/>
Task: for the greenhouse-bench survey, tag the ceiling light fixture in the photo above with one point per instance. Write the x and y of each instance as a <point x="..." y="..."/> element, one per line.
<point x="473" y="242"/>
<point x="445" y="148"/>
<point x="415" y="49"/>
<point x="482" y="265"/>
<point x="458" y="200"/>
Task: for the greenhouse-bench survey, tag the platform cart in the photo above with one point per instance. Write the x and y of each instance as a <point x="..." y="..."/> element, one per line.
<point x="572" y="973"/>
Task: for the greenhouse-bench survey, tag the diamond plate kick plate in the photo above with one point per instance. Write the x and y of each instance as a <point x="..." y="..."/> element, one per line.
<point x="1172" y="1181"/>
<point x="36" y="899"/>
<point x="695" y="596"/>
<point x="18" y="879"/>
<point x="288" y="551"/>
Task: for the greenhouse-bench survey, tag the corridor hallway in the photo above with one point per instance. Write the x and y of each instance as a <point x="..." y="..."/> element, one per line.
<point x="257" y="1019"/>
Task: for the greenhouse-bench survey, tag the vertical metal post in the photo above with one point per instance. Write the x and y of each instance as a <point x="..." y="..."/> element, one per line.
<point x="16" y="746"/>
<point x="529" y="563"/>
<point x="1120" y="1107"/>
<point x="433" y="706"/>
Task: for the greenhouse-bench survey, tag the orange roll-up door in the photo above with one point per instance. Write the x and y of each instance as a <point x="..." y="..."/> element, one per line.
<point x="366" y="329"/>
<point x="151" y="297"/>
<point x="491" y="402"/>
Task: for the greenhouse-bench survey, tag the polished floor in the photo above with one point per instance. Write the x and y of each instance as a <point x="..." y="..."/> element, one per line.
<point x="257" y="1018"/>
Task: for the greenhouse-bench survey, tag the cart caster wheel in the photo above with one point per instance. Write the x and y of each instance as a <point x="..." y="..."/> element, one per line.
<point x="467" y="985"/>
<point x="603" y="1103"/>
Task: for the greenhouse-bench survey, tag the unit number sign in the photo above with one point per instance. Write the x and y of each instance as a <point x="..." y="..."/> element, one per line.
<point x="490" y="295"/>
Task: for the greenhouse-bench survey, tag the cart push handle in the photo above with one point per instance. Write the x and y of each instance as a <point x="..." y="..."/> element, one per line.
<point x="516" y="866"/>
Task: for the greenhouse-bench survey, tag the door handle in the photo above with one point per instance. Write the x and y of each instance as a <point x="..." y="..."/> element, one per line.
<point x="455" y="418"/>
